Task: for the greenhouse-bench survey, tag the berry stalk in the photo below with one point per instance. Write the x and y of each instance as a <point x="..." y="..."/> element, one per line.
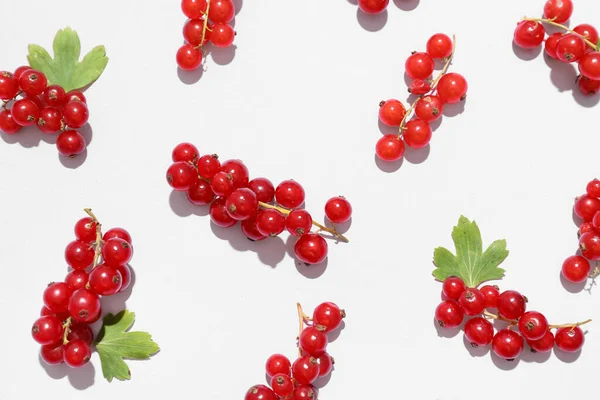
<point x="301" y="319"/>
<point x="205" y="26"/>
<point x="550" y="326"/>
<point x="97" y="245"/>
<point x="566" y="28"/>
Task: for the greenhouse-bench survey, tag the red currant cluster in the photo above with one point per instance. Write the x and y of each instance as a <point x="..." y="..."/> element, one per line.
<point x="577" y="268"/>
<point x="295" y="381"/>
<point x="208" y="21"/>
<point x="28" y="100"/>
<point x="264" y="210"/>
<point x="98" y="268"/>
<point x="446" y="88"/>
<point x="506" y="343"/>
<point x="579" y="44"/>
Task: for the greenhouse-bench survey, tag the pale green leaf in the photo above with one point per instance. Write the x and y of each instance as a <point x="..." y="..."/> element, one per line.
<point x="115" y="344"/>
<point x="39" y="59"/>
<point x="90" y="68"/>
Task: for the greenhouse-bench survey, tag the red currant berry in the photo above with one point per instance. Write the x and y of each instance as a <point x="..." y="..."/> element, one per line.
<point x="390" y="148"/>
<point x="193" y="8"/>
<point x="479" y="331"/>
<point x="588" y="86"/>
<point x="125" y="272"/>
<point x="313" y="340"/>
<point x="529" y="34"/>
<point x="282" y="385"/>
<point x="188" y="57"/>
<point x="85" y="229"/>
<point x="588" y="32"/>
<point x="298" y="222"/>
<point x="77" y="353"/>
<point x="117" y="233"/>
<point x="7" y="123"/>
<point x="208" y="166"/>
<point x="250" y="229"/>
<point x="452" y="88"/>
<point x="19" y="71"/>
<point x="439" y="46"/>
<point x="586" y="207"/>
<point x="472" y="301"/>
<point x="193" y="29"/>
<point x="70" y="143"/>
<point x="570" y="48"/>
<point x="511" y="304"/>
<point x="222" y="184"/>
<point x="25" y="112"/>
<point x="79" y="331"/>
<point x="222" y="35"/>
<point x="585" y="227"/>
<point x="115" y="252"/>
<point x="56" y="297"/>
<point x="221" y="11"/>
<point x="558" y="10"/>
<point x="589" y="65"/>
<point x="182" y="175"/>
<point x="270" y="222"/>
<point x="419" y="86"/>
<point x="417" y="133"/>
<point x="260" y="392"/>
<point x="576" y="269"/>
<point x="551" y="43"/>
<point x="305" y="370"/>
<point x="55" y="96"/>
<point x="373" y="6"/>
<point x="533" y="325"/>
<point x="419" y="65"/>
<point x="219" y="215"/>
<point x="61" y="316"/>
<point x="79" y="255"/>
<point x="507" y="344"/>
<point x="105" y="280"/>
<point x="200" y="193"/>
<point x="593" y="188"/>
<point x="75" y="95"/>
<point x="328" y="315"/>
<point x="311" y="248"/>
<point x="76" y="279"/>
<point x="47" y="330"/>
<point x="289" y="194"/>
<point x="543" y="345"/>
<point x="33" y="82"/>
<point x="589" y="244"/>
<point x="453" y="287"/>
<point x="391" y="112"/>
<point x="569" y="340"/>
<point x="52" y="354"/>
<point x="429" y="108"/>
<point x="238" y="171"/>
<point x="305" y="392"/>
<point x="595" y="221"/>
<point x="491" y="294"/>
<point x="241" y="204"/>
<point x="9" y="87"/>
<point x="449" y="314"/>
<point x="75" y="114"/>
<point x="338" y="210"/>
<point x="278" y="364"/>
<point x="50" y="120"/>
<point x="325" y="364"/>
<point x="186" y="152"/>
<point x="84" y="306"/>
<point x="263" y="188"/>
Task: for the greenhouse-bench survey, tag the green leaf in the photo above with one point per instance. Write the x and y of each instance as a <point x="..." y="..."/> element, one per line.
<point x="65" y="69"/>
<point x="115" y="343"/>
<point x="471" y="263"/>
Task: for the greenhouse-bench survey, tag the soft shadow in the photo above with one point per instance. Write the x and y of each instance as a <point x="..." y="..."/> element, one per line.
<point x="355" y="2"/>
<point x="475" y="351"/>
<point x="182" y="207"/>
<point x="436" y="124"/>
<point x="570" y="286"/>
<point x="312" y="271"/>
<point x="386" y="129"/>
<point x="576" y="220"/>
<point x="566" y="357"/>
<point x="388" y="166"/>
<point x="80" y="378"/>
<point x="371" y="23"/>
<point x="526" y="54"/>
<point x="452" y="110"/>
<point x="27" y="137"/>
<point x="340" y="228"/>
<point x="334" y="335"/>
<point x="408" y="80"/>
<point x="407" y="5"/>
<point x="223" y="55"/>
<point x="530" y="355"/>
<point x="585" y="100"/>
<point x="73" y="162"/>
<point x="320" y="383"/>
<point x="238" y="5"/>
<point x="446" y="332"/>
<point x="417" y="156"/>
<point x="503" y="364"/>
<point x="562" y="75"/>
<point x="87" y="133"/>
<point x="190" y="77"/>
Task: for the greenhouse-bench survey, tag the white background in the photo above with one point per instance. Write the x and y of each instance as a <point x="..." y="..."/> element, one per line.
<point x="298" y="99"/>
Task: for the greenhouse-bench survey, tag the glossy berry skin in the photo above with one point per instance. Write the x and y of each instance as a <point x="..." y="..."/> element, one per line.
<point x="417" y="133"/>
<point x="47" y="330"/>
<point x="452" y="88"/>
<point x="373" y="6"/>
<point x="116" y="252"/>
<point x="391" y="112"/>
<point x="221" y="11"/>
<point x="533" y="325"/>
<point x="84" y="306"/>
<point x="576" y="269"/>
<point x="263" y="188"/>
<point x="52" y="354"/>
<point x="529" y="34"/>
<point x="325" y="364"/>
<point x="449" y="314"/>
<point x="586" y="227"/>
<point x="70" y="143"/>
<point x="305" y="370"/>
<point x="298" y="222"/>
<point x="250" y="229"/>
<point x="479" y="331"/>
<point x="570" y="48"/>
<point x="79" y="255"/>
<point x="25" y="112"/>
<point x="511" y="304"/>
<point x="56" y="297"/>
<point x="186" y="152"/>
<point x="8" y="124"/>
<point x="593" y="188"/>
<point x="419" y="86"/>
<point x="188" y="57"/>
<point x="33" y="82"/>
<point x="278" y="364"/>
<point x="328" y="315"/>
<point x="543" y="345"/>
<point x="117" y="233"/>
<point x="222" y="184"/>
<point x="79" y="331"/>
<point x="125" y="272"/>
<point x="551" y="43"/>
<point x="75" y="95"/>
<point x="289" y="194"/>
<point x="559" y="10"/>
<point x="491" y="294"/>
<point x="282" y="385"/>
<point x="338" y="210"/>
<point x="192" y="32"/>
<point x="9" y="86"/>
<point x="85" y="229"/>
<point x="589" y="65"/>
<point x="105" y="280"/>
<point x="588" y="31"/>
<point x="260" y="392"/>
<point x="453" y="287"/>
<point x="270" y="222"/>
<point x="75" y="114"/>
<point x="419" y="65"/>
<point x="54" y="96"/>
<point x="507" y="344"/>
<point x="76" y="279"/>
<point x="222" y="35"/>
<point x="586" y="207"/>
<point x="305" y="392"/>
<point x="439" y="46"/>
<point x="200" y="193"/>
<point x="193" y="8"/>
<point x="219" y="215"/>
<point x="390" y="148"/>
<point x="181" y="175"/>
<point x="241" y="204"/>
<point x="313" y="340"/>
<point x="208" y="166"/>
<point x="77" y="353"/>
<point x="569" y="340"/>
<point x="595" y="222"/>
<point x="50" y="120"/>
<point x="589" y="244"/>
<point x="238" y="171"/>
<point x="429" y="108"/>
<point x="311" y="248"/>
<point x="19" y="71"/>
<point x="472" y="301"/>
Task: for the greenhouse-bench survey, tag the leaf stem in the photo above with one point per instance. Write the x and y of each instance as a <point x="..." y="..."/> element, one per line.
<point x="301" y="320"/>
<point x="515" y="322"/>
<point x="566" y="28"/>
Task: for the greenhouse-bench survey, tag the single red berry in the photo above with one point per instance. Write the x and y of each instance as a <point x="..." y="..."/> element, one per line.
<point x="222" y="184"/>
<point x="313" y="340"/>
<point x="588" y="86"/>
<point x="250" y="229"/>
<point x="185" y="152"/>
<point x="298" y="222"/>
<point x="55" y="96"/>
<point x="278" y="364"/>
<point x="305" y="392"/>
<point x="558" y="10"/>
<point x="449" y="314"/>
<point x="589" y="65"/>
<point x="221" y="11"/>
<point x="37" y="100"/>
<point x="25" y="112"/>
<point x="479" y="331"/>
<point x="238" y="171"/>
<point x="79" y="331"/>
<point x="125" y="272"/>
<point x="241" y="204"/>
<point x="270" y="222"/>
<point x="589" y="244"/>
<point x="586" y="207"/>
<point x="116" y="252"/>
<point x="328" y="315"/>
<point x="33" y="82"/>
<point x="9" y="86"/>
<point x="222" y="35"/>
<point x="325" y="364"/>
<point x="181" y="175"/>
<point x="419" y="65"/>
<point x="429" y="108"/>
<point x="263" y="188"/>
<point x="529" y="34"/>
<point x="75" y="114"/>
<point x="75" y="95"/>
<point x="585" y="227"/>
<point x="439" y="46"/>
<point x="373" y="6"/>
<point x="338" y="210"/>
<point x="576" y="269"/>
<point x="52" y="354"/>
<point x="452" y="88"/>
<point x="70" y="143"/>
<point x="417" y="133"/>
<point x="453" y="287"/>
<point x="19" y="71"/>
<point x="79" y="255"/>
<point x="472" y="301"/>
<point x="260" y="392"/>
<point x="569" y="340"/>
<point x="77" y="353"/>
<point x="282" y="385"/>
<point x="305" y="370"/>
<point x="200" y="193"/>
<point x="84" y="306"/>
<point x="193" y="29"/>
<point x="208" y="166"/>
<point x="61" y="316"/>
<point x="76" y="279"/>
<point x="219" y="215"/>
<point x="595" y="221"/>
<point x="511" y="304"/>
<point x="419" y="86"/>
<point x="507" y="344"/>
<point x="188" y="57"/>
<point x="491" y="294"/>
<point x="85" y="229"/>
<point x="533" y="325"/>
<point x="7" y="123"/>
<point x="50" y="120"/>
<point x="588" y="32"/>
<point x="56" y="297"/>
<point x="391" y="112"/>
<point x="543" y="345"/>
<point x="390" y="147"/>
<point x="105" y="280"/>
<point x="289" y="194"/>
<point x="551" y="43"/>
<point x="593" y="188"/>
<point x="570" y="48"/>
<point x="311" y="248"/>
<point x="193" y="8"/>
<point x="47" y="330"/>
<point x="117" y="233"/>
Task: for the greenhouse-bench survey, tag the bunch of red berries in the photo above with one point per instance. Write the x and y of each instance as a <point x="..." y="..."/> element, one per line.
<point x="234" y="197"/>
<point x="577" y="268"/>
<point x="208" y="21"/>
<point x="579" y="44"/>
<point x="295" y="381"/>
<point x="532" y="326"/>
<point x="98" y="268"/>
<point x="29" y="100"/>
<point x="446" y="88"/>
